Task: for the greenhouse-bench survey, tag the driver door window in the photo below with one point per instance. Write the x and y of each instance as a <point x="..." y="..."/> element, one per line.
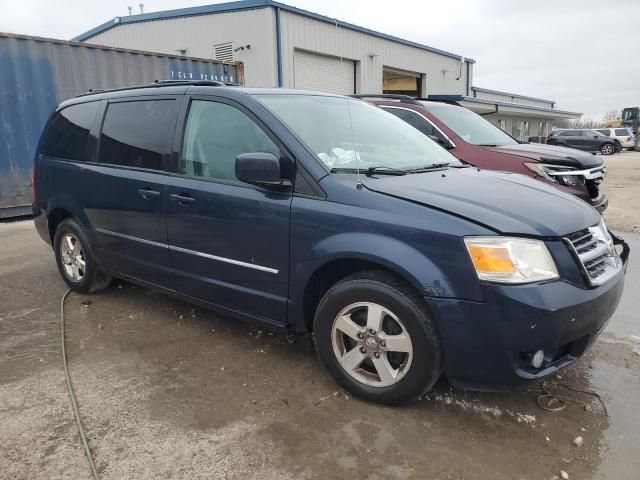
<point x="216" y="133"/>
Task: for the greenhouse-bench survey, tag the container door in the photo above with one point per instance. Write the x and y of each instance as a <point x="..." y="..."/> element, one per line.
<point x="229" y="241"/>
<point x="125" y="192"/>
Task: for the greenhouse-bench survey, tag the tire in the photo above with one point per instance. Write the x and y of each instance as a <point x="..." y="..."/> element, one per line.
<point x="75" y="259"/>
<point x="370" y="295"/>
<point x="607" y="149"/>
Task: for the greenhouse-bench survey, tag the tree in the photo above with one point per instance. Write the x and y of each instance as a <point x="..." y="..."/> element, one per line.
<point x="611" y="115"/>
<point x="586" y="122"/>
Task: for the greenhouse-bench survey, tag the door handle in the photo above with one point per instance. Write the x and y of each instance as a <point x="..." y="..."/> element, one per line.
<point x="147" y="193"/>
<point x="182" y="199"/>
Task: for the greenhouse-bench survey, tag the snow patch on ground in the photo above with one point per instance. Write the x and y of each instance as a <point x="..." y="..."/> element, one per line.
<point x="474" y="406"/>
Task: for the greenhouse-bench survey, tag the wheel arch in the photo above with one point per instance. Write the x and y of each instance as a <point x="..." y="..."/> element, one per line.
<point x="55" y="217"/>
<point x="376" y="252"/>
<point x="61" y="207"/>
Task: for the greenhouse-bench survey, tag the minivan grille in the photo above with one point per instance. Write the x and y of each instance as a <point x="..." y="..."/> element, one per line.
<point x="596" y="253"/>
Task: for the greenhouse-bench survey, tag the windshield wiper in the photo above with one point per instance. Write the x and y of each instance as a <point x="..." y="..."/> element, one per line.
<point x="370" y="170"/>
<point x="426" y="168"/>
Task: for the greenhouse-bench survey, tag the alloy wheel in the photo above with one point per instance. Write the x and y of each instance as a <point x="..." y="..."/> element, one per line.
<point x="371" y="344"/>
<point x="607" y="149"/>
<point x="72" y="257"/>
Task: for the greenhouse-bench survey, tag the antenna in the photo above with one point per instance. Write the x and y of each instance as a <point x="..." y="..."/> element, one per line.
<point x="353" y="140"/>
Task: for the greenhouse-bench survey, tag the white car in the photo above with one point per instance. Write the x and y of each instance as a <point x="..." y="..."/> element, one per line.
<point x="622" y="134"/>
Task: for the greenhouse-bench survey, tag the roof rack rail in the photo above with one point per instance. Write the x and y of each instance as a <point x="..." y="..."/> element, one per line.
<point x="392" y="96"/>
<point x="442" y="100"/>
<point x="211" y="83"/>
<point x="163" y="83"/>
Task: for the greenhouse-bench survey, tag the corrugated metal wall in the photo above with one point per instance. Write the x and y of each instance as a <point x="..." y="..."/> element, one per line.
<point x="516" y="126"/>
<point x="513" y="99"/>
<point x="199" y="34"/>
<point x="36" y="74"/>
<point x="257" y="27"/>
<point x="371" y="53"/>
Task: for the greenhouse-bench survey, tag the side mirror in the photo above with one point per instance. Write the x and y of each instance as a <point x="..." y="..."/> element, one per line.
<point x="260" y="168"/>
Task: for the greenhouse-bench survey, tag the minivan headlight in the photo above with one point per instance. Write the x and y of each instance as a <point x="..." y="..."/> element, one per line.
<point x="510" y="259"/>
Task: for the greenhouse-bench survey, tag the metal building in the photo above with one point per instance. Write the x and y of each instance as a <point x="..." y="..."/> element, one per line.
<point x="285" y="46"/>
<point x="520" y="116"/>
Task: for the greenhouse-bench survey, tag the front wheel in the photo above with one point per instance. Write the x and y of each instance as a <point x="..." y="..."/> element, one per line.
<point x="607" y="149"/>
<point x="75" y="259"/>
<point x="374" y="335"/>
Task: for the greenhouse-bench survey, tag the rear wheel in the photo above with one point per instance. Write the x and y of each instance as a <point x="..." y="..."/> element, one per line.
<point x="75" y="259"/>
<point x="374" y="335"/>
<point x="607" y="149"/>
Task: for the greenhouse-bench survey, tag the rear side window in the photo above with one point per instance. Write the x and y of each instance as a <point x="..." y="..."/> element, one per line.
<point x="606" y="132"/>
<point x="138" y="134"/>
<point x="622" y="132"/>
<point x="67" y="134"/>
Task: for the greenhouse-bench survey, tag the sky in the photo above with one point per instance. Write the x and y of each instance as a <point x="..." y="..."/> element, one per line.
<point x="584" y="54"/>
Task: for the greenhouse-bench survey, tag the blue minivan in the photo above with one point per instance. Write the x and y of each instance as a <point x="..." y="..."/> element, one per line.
<point x="320" y="213"/>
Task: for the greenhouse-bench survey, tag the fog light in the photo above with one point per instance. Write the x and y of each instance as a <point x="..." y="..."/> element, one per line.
<point x="537" y="359"/>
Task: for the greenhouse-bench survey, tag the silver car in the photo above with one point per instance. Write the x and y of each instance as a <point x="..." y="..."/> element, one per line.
<point x="623" y="134"/>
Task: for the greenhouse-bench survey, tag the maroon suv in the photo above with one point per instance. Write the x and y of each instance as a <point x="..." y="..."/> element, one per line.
<point x="478" y="142"/>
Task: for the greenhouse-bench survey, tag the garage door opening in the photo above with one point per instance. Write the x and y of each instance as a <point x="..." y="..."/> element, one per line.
<point x="401" y="83"/>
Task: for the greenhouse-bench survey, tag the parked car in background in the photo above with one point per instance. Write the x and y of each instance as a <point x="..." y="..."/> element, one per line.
<point x="623" y="134"/>
<point x="478" y="142"/>
<point x="316" y="212"/>
<point x="584" y="139"/>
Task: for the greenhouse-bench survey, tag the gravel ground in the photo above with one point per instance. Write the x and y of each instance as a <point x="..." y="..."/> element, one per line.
<point x="169" y="391"/>
<point x="622" y="185"/>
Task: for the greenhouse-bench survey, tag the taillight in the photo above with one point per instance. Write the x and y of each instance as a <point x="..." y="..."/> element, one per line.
<point x="33" y="184"/>
<point x="628" y="139"/>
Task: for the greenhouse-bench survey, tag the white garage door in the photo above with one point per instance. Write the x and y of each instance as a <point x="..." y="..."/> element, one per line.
<point x="323" y="74"/>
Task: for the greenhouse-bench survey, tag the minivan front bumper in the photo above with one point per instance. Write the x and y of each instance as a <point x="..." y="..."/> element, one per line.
<point x="489" y="345"/>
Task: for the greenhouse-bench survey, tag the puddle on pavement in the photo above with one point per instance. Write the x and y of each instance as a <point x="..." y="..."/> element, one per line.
<point x="202" y="373"/>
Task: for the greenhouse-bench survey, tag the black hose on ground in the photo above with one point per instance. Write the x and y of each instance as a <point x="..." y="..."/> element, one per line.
<point x="72" y="395"/>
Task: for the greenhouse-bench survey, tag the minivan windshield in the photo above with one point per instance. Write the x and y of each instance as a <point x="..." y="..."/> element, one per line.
<point x="350" y="134"/>
<point x="471" y="127"/>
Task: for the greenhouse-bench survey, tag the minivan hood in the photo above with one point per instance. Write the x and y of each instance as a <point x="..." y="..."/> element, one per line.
<point x="508" y="203"/>
<point x="552" y="154"/>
